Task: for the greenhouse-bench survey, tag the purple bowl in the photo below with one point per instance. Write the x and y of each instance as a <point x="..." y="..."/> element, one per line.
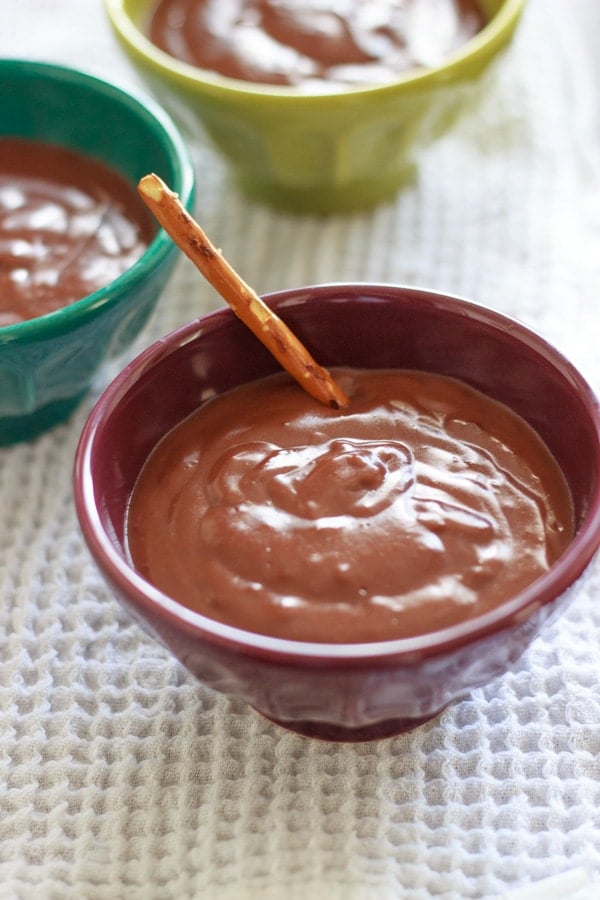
<point x="342" y="691"/>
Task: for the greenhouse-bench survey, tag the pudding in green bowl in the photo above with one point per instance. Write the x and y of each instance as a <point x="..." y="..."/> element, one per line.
<point x="320" y="146"/>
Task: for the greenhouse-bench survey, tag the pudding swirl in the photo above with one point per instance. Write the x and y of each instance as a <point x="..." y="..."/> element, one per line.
<point x="425" y="503"/>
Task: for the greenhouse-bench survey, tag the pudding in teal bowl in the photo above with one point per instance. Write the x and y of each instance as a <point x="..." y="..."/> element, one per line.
<point x="98" y="140"/>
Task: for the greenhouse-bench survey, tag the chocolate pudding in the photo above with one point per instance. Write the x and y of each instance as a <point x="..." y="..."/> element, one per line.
<point x="68" y="226"/>
<point x="421" y="505"/>
<point x="304" y="42"/>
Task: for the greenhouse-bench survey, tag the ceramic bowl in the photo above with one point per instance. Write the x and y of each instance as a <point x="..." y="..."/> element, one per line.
<point x="324" y="152"/>
<point x="349" y="691"/>
<point x="47" y="363"/>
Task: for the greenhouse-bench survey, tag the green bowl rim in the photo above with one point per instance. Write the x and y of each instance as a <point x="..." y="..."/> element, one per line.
<point x="68" y="317"/>
<point x="480" y="47"/>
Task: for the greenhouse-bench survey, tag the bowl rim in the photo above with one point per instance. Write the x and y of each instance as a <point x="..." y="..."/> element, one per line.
<point x="483" y="44"/>
<point x="565" y="571"/>
<point x="145" y="108"/>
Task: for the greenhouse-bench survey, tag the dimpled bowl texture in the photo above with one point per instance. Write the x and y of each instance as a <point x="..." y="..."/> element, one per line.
<point x="350" y="691"/>
<point x="47" y="363"/>
<point x="319" y="153"/>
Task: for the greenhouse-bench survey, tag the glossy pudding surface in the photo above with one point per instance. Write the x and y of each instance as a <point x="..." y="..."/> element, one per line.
<point x="310" y="42"/>
<point x="69" y="225"/>
<point x="423" y="504"/>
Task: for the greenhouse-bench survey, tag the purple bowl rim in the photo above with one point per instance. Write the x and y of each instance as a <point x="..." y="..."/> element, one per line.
<point x="120" y="573"/>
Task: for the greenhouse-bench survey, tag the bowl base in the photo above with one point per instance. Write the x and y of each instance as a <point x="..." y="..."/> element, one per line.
<point x="14" y="429"/>
<point x="327" y="199"/>
<point x="326" y="731"/>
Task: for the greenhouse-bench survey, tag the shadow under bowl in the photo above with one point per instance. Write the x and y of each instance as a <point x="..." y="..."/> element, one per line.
<point x="47" y="363"/>
<point x="350" y="691"/>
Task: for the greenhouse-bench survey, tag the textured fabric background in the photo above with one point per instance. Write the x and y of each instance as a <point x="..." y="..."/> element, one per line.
<point x="120" y="777"/>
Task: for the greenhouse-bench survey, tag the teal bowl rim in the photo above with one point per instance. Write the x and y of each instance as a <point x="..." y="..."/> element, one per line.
<point x="480" y="47"/>
<point x="68" y="317"/>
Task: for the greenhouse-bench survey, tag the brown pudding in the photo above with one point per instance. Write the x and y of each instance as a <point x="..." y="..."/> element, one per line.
<point x="68" y="226"/>
<point x="298" y="42"/>
<point x="423" y="504"/>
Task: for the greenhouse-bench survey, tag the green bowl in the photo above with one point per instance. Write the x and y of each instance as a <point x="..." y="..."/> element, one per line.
<point x="47" y="363"/>
<point x="324" y="152"/>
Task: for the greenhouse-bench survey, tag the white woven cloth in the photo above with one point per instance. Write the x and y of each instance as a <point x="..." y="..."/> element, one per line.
<point x="120" y="776"/>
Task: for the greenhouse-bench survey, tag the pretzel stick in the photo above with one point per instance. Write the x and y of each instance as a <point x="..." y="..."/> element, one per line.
<point x="246" y="304"/>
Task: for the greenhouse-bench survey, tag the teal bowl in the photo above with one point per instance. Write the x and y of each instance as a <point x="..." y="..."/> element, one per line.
<point x="47" y="363"/>
<point x="320" y="152"/>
